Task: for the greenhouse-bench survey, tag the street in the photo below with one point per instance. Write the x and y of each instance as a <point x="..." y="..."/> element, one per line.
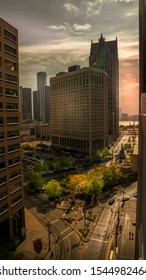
<point x="64" y="238"/>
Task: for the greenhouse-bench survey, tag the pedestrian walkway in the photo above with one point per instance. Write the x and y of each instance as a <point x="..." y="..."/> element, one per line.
<point x="34" y="229"/>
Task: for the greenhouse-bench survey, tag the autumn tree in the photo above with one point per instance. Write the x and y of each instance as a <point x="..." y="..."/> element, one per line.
<point x="111" y="176"/>
<point x="37" y="245"/>
<point x="53" y="189"/>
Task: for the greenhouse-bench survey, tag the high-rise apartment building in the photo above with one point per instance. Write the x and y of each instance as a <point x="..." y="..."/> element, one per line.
<point x="26" y="105"/>
<point x="79" y="110"/>
<point x="105" y="56"/>
<point x="12" y="222"/>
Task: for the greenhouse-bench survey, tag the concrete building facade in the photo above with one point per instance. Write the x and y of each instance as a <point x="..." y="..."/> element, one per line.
<point x="79" y="110"/>
<point x="105" y="56"/>
<point x="12" y="222"/>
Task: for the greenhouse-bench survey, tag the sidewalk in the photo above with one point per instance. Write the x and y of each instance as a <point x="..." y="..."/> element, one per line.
<point x="34" y="229"/>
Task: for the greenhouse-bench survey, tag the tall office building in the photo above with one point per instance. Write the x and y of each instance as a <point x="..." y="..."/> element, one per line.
<point x="35" y="110"/>
<point x="79" y="110"/>
<point x="41" y="83"/>
<point x="12" y="222"/>
<point x="46" y="106"/>
<point x="105" y="56"/>
<point x="141" y="191"/>
<point x="26" y="106"/>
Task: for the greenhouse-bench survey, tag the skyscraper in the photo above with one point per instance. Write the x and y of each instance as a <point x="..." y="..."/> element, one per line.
<point x="105" y="56"/>
<point x="26" y="99"/>
<point x="41" y="83"/>
<point x="79" y="110"/>
<point x="12" y="220"/>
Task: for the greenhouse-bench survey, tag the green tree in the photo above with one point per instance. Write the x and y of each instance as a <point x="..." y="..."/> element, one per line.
<point x="38" y="167"/>
<point x="48" y="165"/>
<point x="34" y="180"/>
<point x="111" y="176"/>
<point x="93" y="187"/>
<point x="53" y="189"/>
<point x="66" y="161"/>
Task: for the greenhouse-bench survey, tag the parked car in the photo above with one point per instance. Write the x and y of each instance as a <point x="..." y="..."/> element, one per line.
<point x="111" y="201"/>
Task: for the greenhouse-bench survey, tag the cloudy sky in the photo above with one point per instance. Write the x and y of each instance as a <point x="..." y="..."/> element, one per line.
<point x="54" y="34"/>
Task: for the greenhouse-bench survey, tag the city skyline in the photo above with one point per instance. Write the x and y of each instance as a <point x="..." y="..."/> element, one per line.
<point x="56" y="34"/>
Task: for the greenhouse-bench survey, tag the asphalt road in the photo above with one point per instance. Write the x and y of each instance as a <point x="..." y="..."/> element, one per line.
<point x="68" y="245"/>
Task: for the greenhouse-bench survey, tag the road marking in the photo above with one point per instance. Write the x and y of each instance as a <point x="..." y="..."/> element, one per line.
<point x="55" y="221"/>
<point x="64" y="230"/>
<point x="68" y="235"/>
<point x="99" y="240"/>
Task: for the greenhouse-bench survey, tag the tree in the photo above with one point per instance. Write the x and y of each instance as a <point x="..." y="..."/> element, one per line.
<point x="93" y="187"/>
<point x="38" y="167"/>
<point x="37" y="245"/>
<point x="111" y="176"/>
<point x="53" y="189"/>
<point x="66" y="161"/>
<point x="48" y="165"/>
<point x="34" y="180"/>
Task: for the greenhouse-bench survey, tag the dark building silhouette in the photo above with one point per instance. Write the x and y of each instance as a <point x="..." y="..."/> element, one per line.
<point x="105" y="56"/>
<point x="26" y="106"/>
<point x="141" y="190"/>
<point x="12" y="222"/>
<point x="142" y="47"/>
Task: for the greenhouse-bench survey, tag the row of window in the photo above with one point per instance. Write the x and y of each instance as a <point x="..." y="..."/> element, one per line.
<point x="10" y="92"/>
<point x="10" y="49"/>
<point x="9" y="106"/>
<point x="10" y="134"/>
<point x="9" y="120"/>
<point x="11" y="148"/>
<point x="9" y="35"/>
<point x="9" y="77"/>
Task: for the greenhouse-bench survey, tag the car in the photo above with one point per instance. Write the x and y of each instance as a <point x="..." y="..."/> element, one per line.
<point x="111" y="201"/>
<point x="125" y="199"/>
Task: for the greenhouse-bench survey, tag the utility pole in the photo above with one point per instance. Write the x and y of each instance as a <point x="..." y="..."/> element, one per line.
<point x="49" y="232"/>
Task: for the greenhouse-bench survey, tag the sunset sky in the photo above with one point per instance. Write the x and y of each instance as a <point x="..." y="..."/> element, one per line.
<point x="54" y="34"/>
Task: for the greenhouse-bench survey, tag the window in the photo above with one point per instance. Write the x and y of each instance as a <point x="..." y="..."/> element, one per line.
<point x="10" y="78"/>
<point x="1" y="91"/>
<point x="3" y="194"/>
<point x="1" y="120"/>
<point x="1" y="105"/>
<point x="3" y="179"/>
<point x="9" y="49"/>
<point x="3" y="208"/>
<point x="0" y="75"/>
<point x="12" y="92"/>
<point x="1" y="135"/>
<point x="14" y="174"/>
<point x="13" y="147"/>
<point x="14" y="160"/>
<point x="10" y="35"/>
<point x="11" y="120"/>
<point x="2" y="150"/>
<point x="11" y="106"/>
<point x="16" y="199"/>
<point x="13" y="133"/>
<point x="2" y="165"/>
